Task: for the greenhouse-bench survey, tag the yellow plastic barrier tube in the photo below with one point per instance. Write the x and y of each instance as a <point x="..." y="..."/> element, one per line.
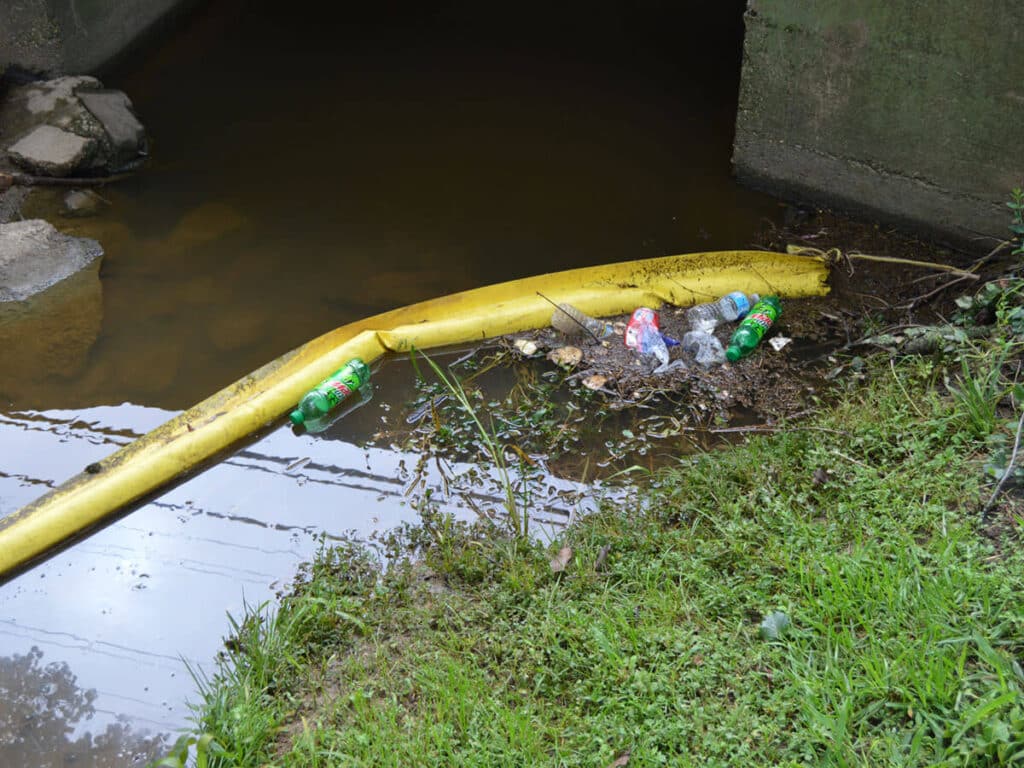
<point x="145" y="465"/>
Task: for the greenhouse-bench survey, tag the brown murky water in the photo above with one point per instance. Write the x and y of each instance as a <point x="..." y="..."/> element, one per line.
<point x="305" y="174"/>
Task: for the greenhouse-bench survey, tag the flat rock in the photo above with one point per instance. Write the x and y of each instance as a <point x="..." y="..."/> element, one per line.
<point x="47" y="96"/>
<point x="50" y="102"/>
<point x="34" y="256"/>
<point x="114" y="111"/>
<point x="101" y="120"/>
<point x="52" y="151"/>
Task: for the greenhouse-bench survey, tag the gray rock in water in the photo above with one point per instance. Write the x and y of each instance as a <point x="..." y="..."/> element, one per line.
<point x="82" y="202"/>
<point x="108" y="136"/>
<point x="51" y="305"/>
<point x="34" y="256"/>
<point x="52" y="151"/>
<point x="114" y="111"/>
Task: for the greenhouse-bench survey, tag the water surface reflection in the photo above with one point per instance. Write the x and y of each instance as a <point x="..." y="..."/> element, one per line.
<point x="305" y="174"/>
<point x="123" y="611"/>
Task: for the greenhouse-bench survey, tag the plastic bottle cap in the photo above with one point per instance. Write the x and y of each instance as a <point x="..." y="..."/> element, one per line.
<point x="733" y="354"/>
<point x="298" y="418"/>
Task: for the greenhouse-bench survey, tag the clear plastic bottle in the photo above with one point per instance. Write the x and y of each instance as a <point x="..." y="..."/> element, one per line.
<point x="329" y="393"/>
<point x="705" y="317"/>
<point x="572" y="322"/>
<point x="705" y="347"/>
<point x="643" y="335"/>
<point x="753" y="328"/>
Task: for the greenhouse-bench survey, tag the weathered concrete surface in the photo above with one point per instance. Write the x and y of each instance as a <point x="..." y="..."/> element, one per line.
<point x="29" y="36"/>
<point x="69" y="126"/>
<point x="115" y="112"/>
<point x="75" y="36"/>
<point x="52" y="151"/>
<point x="911" y="112"/>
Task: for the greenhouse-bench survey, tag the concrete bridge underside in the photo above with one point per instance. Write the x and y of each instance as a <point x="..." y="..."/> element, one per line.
<point x="910" y="112"/>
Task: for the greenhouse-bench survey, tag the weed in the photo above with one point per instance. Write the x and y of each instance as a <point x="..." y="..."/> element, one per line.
<point x="207" y="753"/>
<point x="903" y="646"/>
<point x="517" y="513"/>
<point x="980" y="391"/>
<point x="1016" y="206"/>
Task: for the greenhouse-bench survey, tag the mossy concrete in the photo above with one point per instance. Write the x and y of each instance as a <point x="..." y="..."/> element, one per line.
<point x="911" y="112"/>
<point x="55" y="37"/>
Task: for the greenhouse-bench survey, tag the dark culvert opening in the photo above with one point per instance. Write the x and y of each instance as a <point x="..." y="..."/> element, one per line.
<point x="308" y="170"/>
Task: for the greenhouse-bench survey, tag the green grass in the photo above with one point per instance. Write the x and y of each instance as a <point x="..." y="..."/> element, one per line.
<point x="905" y="644"/>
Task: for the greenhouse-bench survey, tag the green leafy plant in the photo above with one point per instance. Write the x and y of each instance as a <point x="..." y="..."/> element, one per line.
<point x="207" y="750"/>
<point x="1016" y="206"/>
<point x="979" y="392"/>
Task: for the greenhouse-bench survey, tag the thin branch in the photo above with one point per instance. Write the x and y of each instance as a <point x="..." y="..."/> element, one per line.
<point x="911" y="262"/>
<point x="562" y="313"/>
<point x="835" y="254"/>
<point x="896" y="378"/>
<point x="1009" y="470"/>
<point x="933" y="293"/>
<point x="26" y="180"/>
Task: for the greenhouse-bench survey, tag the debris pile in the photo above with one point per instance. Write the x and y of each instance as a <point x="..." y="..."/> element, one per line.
<point x="772" y="380"/>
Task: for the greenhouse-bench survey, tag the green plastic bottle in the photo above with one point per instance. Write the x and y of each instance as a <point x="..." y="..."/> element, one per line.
<point x="753" y="328"/>
<point x="326" y="395"/>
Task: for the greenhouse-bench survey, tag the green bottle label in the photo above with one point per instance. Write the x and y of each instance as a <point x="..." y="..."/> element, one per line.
<point x="759" y="323"/>
<point x="336" y="391"/>
<point x="344" y="382"/>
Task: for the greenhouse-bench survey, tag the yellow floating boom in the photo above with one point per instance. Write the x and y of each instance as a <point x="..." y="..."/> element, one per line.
<point x="254" y="401"/>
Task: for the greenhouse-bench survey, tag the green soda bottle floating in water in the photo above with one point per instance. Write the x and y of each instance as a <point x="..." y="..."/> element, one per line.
<point x="329" y="393"/>
<point x="753" y="328"/>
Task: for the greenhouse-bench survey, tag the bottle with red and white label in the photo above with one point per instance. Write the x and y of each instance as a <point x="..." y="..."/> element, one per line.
<point x="644" y="335"/>
<point x="329" y="393"/>
<point x="755" y="325"/>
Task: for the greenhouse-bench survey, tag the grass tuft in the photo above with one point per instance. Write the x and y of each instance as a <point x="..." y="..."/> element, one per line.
<point x="903" y="648"/>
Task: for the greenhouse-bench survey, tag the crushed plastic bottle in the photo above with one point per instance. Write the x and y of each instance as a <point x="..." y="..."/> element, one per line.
<point x="733" y="306"/>
<point x="329" y="393"/>
<point x="705" y="347"/>
<point x="753" y="328"/>
<point x="643" y="335"/>
<point x="573" y="322"/>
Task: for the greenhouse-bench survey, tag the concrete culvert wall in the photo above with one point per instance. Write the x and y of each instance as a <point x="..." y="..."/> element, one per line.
<point x="54" y="37"/>
<point x="912" y="112"/>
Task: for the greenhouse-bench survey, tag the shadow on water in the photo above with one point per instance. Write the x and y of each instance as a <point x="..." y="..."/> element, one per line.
<point x="131" y="605"/>
<point x="306" y="172"/>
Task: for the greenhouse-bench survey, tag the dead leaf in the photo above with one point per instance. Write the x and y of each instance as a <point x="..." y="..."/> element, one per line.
<point x="526" y="346"/>
<point x="595" y="381"/>
<point x="601" y="557"/>
<point x="561" y="560"/>
<point x="620" y="761"/>
<point x="567" y="357"/>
